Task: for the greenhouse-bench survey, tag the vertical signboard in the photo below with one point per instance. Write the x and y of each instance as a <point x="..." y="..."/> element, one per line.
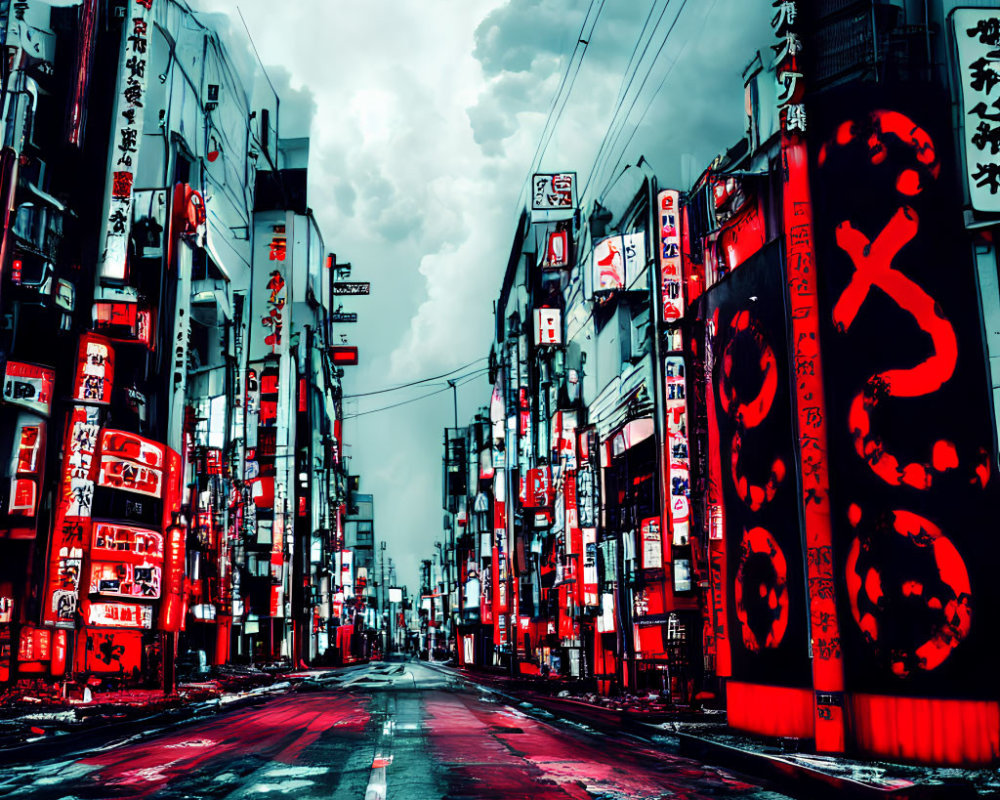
<point x="977" y="39"/>
<point x="71" y="528"/>
<point x="678" y="456"/>
<point x="123" y="159"/>
<point x="911" y="438"/>
<point x="179" y="352"/>
<point x="763" y="582"/>
<point x="608" y="262"/>
<point x="269" y="318"/>
<point x="548" y="326"/>
<point x="618" y="261"/>
<point x="671" y="278"/>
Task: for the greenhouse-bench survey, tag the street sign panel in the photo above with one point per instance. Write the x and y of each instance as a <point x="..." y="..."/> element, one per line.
<point x="344" y="356"/>
<point x="343" y="316"/>
<point x="351" y="288"/>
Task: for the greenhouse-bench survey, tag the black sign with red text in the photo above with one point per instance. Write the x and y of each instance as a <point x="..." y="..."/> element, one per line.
<point x="911" y="453"/>
<point x="767" y="606"/>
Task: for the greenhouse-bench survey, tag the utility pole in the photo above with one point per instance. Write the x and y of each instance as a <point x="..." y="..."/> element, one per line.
<point x="454" y="522"/>
<point x="380" y="595"/>
<point x="392" y="621"/>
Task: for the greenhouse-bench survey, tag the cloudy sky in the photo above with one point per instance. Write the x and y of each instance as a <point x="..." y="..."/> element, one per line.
<point x="424" y="117"/>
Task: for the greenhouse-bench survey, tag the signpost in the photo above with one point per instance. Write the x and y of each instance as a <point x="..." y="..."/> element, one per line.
<point x="343" y="316"/>
<point x="342" y="288"/>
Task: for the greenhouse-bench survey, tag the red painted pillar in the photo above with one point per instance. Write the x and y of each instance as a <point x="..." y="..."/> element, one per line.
<point x="827" y="659"/>
<point x="223" y="629"/>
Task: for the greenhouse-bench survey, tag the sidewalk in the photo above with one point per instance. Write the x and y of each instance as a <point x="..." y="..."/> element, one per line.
<point x="40" y="720"/>
<point x="704" y="735"/>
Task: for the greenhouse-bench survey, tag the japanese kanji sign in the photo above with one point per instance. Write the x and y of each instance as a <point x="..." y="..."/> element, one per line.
<point x="787" y="65"/>
<point x="977" y="37"/>
<point x="671" y="286"/>
<point x="553" y="192"/>
<point x="123" y="157"/>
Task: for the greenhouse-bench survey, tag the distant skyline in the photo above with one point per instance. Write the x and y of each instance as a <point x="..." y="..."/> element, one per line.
<point x="423" y="128"/>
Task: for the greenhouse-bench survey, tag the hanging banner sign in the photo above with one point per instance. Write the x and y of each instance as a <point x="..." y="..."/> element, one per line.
<point x="127" y="136"/>
<point x="131" y="463"/>
<point x="556" y="250"/>
<point x="553" y="192"/>
<point x="29" y="386"/>
<point x="342" y="288"/>
<point x="977" y="37"/>
<point x="548" y="326"/>
<point x="671" y="278"/>
<point x="95" y="370"/>
<point x="119" y="615"/>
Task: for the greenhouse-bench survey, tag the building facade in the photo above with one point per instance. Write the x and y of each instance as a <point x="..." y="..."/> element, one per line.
<point x="725" y="456"/>
<point x="171" y="417"/>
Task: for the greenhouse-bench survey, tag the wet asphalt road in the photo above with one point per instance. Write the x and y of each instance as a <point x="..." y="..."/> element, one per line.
<point x="402" y="731"/>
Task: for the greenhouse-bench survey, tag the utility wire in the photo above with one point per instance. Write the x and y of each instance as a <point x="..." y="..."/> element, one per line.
<point x="658" y="88"/>
<point x="254" y="46"/>
<point x="623" y="89"/>
<point x="569" y="89"/>
<point x="468" y="379"/>
<point x="670" y="68"/>
<point x="413" y="383"/>
<point x="582" y="40"/>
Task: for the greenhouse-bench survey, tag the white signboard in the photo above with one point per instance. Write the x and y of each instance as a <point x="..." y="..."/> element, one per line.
<point x="671" y="287"/>
<point x="977" y="36"/>
<point x="609" y="265"/>
<point x="634" y="250"/>
<point x="553" y="192"/>
<point x="548" y="326"/>
<point x="123" y="160"/>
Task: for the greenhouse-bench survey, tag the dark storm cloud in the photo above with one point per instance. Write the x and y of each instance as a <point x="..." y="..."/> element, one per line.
<point x="520" y="33"/>
<point x="424" y="129"/>
<point x="494" y="119"/>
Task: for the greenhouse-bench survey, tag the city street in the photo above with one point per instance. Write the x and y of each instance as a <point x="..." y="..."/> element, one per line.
<point x="390" y="731"/>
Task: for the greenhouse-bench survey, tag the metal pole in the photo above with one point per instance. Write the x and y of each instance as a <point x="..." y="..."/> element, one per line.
<point x="454" y="398"/>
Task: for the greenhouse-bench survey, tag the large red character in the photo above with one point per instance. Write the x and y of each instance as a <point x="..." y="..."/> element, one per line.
<point x="761" y="591"/>
<point x="904" y="567"/>
<point x="873" y="269"/>
<point x="743" y="328"/>
<point x="908" y="587"/>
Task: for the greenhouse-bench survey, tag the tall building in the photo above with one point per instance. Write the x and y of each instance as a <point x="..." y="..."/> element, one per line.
<point x="171" y="419"/>
<point x="744" y="432"/>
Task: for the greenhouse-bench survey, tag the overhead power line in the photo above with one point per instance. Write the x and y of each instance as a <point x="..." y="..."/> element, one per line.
<point x="414" y="383"/>
<point x="467" y="379"/>
<point x="583" y="39"/>
<point x="628" y="77"/>
<point x="649" y="102"/>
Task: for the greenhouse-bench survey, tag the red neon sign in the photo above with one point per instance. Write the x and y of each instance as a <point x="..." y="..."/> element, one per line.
<point x="344" y="356"/>
<point x="95" y="370"/>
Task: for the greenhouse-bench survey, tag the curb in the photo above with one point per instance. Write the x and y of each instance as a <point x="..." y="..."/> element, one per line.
<point x="786" y="776"/>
